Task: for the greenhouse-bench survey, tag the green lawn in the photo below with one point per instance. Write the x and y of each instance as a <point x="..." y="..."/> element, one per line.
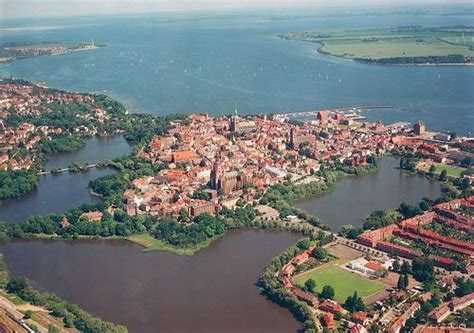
<point x="344" y="283"/>
<point x="452" y="170"/>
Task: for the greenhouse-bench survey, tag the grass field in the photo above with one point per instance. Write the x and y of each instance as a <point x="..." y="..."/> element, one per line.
<point x="452" y="170"/>
<point x="344" y="283"/>
<point x="150" y="243"/>
<point x="376" y="44"/>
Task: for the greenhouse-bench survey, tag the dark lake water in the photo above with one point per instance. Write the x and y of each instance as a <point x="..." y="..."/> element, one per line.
<point x="357" y="196"/>
<point x="95" y="150"/>
<point x="217" y="62"/>
<point x="57" y="193"/>
<point x="54" y="194"/>
<point x="213" y="291"/>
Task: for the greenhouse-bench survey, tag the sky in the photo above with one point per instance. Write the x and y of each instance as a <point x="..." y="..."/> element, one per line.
<point x="50" y="8"/>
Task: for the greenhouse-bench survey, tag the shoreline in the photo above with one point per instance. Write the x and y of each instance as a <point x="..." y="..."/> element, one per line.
<point x="321" y="51"/>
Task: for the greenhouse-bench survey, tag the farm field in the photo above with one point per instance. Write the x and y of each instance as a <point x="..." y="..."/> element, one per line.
<point x="344" y="283"/>
<point x="396" y="45"/>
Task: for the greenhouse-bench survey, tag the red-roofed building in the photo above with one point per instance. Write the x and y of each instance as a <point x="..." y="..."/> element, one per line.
<point x="301" y="258"/>
<point x="331" y="306"/>
<point x="92" y="216"/>
<point x="373" y="266"/>
<point x="184" y="156"/>
<point x="360" y="318"/>
<point x="372" y="237"/>
<point x="306" y="297"/>
<point x="328" y="321"/>
<point x="398" y="250"/>
<point x="358" y="329"/>
<point x="288" y="269"/>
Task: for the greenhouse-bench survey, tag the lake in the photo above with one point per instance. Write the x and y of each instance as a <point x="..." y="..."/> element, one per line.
<point x="357" y="196"/>
<point x="219" y="62"/>
<point x="212" y="291"/>
<point x="95" y="150"/>
<point x="55" y="194"/>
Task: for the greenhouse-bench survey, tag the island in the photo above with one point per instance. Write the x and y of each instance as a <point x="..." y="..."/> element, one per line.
<point x="409" y="45"/>
<point x="23" y="50"/>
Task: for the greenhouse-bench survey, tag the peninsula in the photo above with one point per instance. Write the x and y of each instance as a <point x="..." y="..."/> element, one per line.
<point x="411" y="45"/>
<point x="16" y="51"/>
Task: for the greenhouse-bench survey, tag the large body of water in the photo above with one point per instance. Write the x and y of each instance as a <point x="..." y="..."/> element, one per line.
<point x="213" y="291"/>
<point x="357" y="196"/>
<point x="216" y="63"/>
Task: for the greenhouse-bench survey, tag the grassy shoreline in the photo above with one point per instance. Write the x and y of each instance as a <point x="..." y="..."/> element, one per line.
<point x="150" y="244"/>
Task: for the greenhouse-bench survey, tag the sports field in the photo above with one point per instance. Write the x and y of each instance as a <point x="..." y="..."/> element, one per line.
<point x="344" y="283"/>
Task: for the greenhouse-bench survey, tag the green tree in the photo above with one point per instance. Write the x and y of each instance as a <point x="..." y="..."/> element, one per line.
<point x="304" y="244"/>
<point x="464" y="287"/>
<point x="402" y="283"/>
<point x="310" y="285"/>
<point x="405" y="268"/>
<point x="432" y="170"/>
<point x="396" y="265"/>
<point x="443" y="176"/>
<point x="28" y="314"/>
<point x="53" y="329"/>
<point x="423" y="270"/>
<point x="406" y="280"/>
<point x="354" y="303"/>
<point x="319" y="253"/>
<point x="17" y="284"/>
<point x="327" y="292"/>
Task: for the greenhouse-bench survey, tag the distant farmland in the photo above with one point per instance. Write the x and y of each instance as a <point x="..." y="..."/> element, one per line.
<point x="403" y="45"/>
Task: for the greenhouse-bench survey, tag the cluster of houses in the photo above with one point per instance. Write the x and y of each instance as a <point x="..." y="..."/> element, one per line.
<point x="232" y="158"/>
<point x="328" y="309"/>
<point x="390" y="318"/>
<point x="436" y="147"/>
<point x="457" y="214"/>
<point x="23" y="99"/>
<point x="444" y="310"/>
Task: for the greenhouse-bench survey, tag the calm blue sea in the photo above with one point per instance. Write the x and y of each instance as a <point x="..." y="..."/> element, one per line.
<point x="219" y="62"/>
